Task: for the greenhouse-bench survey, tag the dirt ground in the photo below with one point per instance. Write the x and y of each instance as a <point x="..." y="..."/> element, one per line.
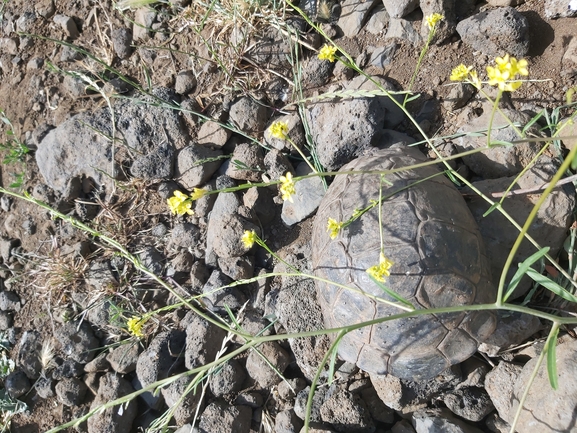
<point x="31" y="97"/>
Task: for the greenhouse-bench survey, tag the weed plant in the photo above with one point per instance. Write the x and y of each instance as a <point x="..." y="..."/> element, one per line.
<point x="507" y="74"/>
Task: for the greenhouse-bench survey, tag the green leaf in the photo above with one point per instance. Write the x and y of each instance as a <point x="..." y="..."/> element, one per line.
<point x="551" y="285"/>
<point x="492" y="208"/>
<point x="332" y="365"/>
<point x="523" y="268"/>
<point x="495" y="143"/>
<point x="552" y="358"/>
<point x="533" y="120"/>
<point x="392" y="294"/>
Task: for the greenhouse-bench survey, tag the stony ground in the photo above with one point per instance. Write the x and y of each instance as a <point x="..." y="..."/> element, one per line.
<point x="191" y="100"/>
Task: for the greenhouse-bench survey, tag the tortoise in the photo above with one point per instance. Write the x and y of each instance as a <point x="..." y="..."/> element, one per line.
<point x="438" y="261"/>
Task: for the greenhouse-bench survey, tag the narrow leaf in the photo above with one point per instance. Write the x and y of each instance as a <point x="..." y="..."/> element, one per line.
<point x="495" y="143"/>
<point x="332" y="365"/>
<point x="392" y="294"/>
<point x="491" y="209"/>
<point x="551" y="285"/>
<point x="552" y="358"/>
<point x="532" y="121"/>
<point x="523" y="267"/>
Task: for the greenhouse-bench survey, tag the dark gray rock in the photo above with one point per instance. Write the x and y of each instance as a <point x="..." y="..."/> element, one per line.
<point x="316" y="72"/>
<point x="346" y="412"/>
<point x="71" y="391"/>
<point x="261" y="204"/>
<point x="203" y="340"/>
<point x="68" y="25"/>
<point x="162" y="357"/>
<point x="301" y="403"/>
<point x="123" y="358"/>
<point x="559" y="9"/>
<point x="157" y="164"/>
<point x="440" y="420"/>
<point x="251" y="161"/>
<point x="45" y="8"/>
<point x="343" y="129"/>
<point x="212" y="134"/>
<point x="226" y="227"/>
<point x="237" y="268"/>
<point x="251" y="399"/>
<point x="77" y="341"/>
<point x="185" y="82"/>
<point x="498" y="161"/>
<point x="549" y="227"/>
<point x="298" y="311"/>
<point x="195" y="164"/>
<point x="121" y="42"/>
<point x="287" y="422"/>
<point x="378" y="21"/>
<point x="272" y="49"/>
<point x="67" y="369"/>
<point x="223" y="418"/>
<point x="228" y="379"/>
<point x="499" y="384"/>
<point x="277" y="164"/>
<point x="249" y="115"/>
<point x="308" y="195"/>
<point x="9" y="301"/>
<point x="495" y="32"/>
<point x="353" y="15"/>
<point x="383" y="56"/>
<point x="469" y="402"/>
<point x="6" y="320"/>
<point x="199" y="275"/>
<point x="400" y="8"/>
<point x="444" y="28"/>
<point x="184" y="235"/>
<point x="28" y="355"/>
<point x="400" y="28"/>
<point x="379" y="411"/>
<point x="143" y="19"/>
<point x="98" y="364"/>
<point x="113" y="419"/>
<point x="17" y="384"/>
<point x="152" y="259"/>
<point x="174" y="394"/>
<point x="217" y="297"/>
<point x="260" y="370"/>
<point x="458" y="96"/>
<point x="408" y="396"/>
<point x="45" y="387"/>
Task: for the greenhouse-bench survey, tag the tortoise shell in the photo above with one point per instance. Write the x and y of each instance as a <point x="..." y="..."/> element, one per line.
<point x="438" y="261"/>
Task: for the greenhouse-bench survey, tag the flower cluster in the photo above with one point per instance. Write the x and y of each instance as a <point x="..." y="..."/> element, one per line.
<point x="506" y="70"/>
<point x="249" y="238"/>
<point x="135" y="325"/>
<point x="279" y="130"/>
<point x="503" y="74"/>
<point x="380" y="271"/>
<point x="180" y="204"/>
<point x="328" y="52"/>
<point x="334" y="227"/>
<point x="433" y="19"/>
<point x="287" y="187"/>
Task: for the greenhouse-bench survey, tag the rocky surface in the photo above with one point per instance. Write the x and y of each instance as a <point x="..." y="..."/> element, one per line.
<point x="121" y="108"/>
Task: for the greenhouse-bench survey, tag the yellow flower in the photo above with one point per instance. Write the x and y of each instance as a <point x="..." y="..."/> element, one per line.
<point x="475" y="79"/>
<point x="180" y="203"/>
<point x="506" y="70"/>
<point x="433" y="19"/>
<point x="334" y="227"/>
<point x="380" y="271"/>
<point x="287" y="187"/>
<point x="135" y="325"/>
<point x="460" y="73"/>
<point x="279" y="130"/>
<point x="198" y="193"/>
<point x="328" y="52"/>
<point x="249" y="238"/>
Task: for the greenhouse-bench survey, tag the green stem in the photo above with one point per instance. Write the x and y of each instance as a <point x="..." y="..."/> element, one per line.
<point x="495" y="106"/>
